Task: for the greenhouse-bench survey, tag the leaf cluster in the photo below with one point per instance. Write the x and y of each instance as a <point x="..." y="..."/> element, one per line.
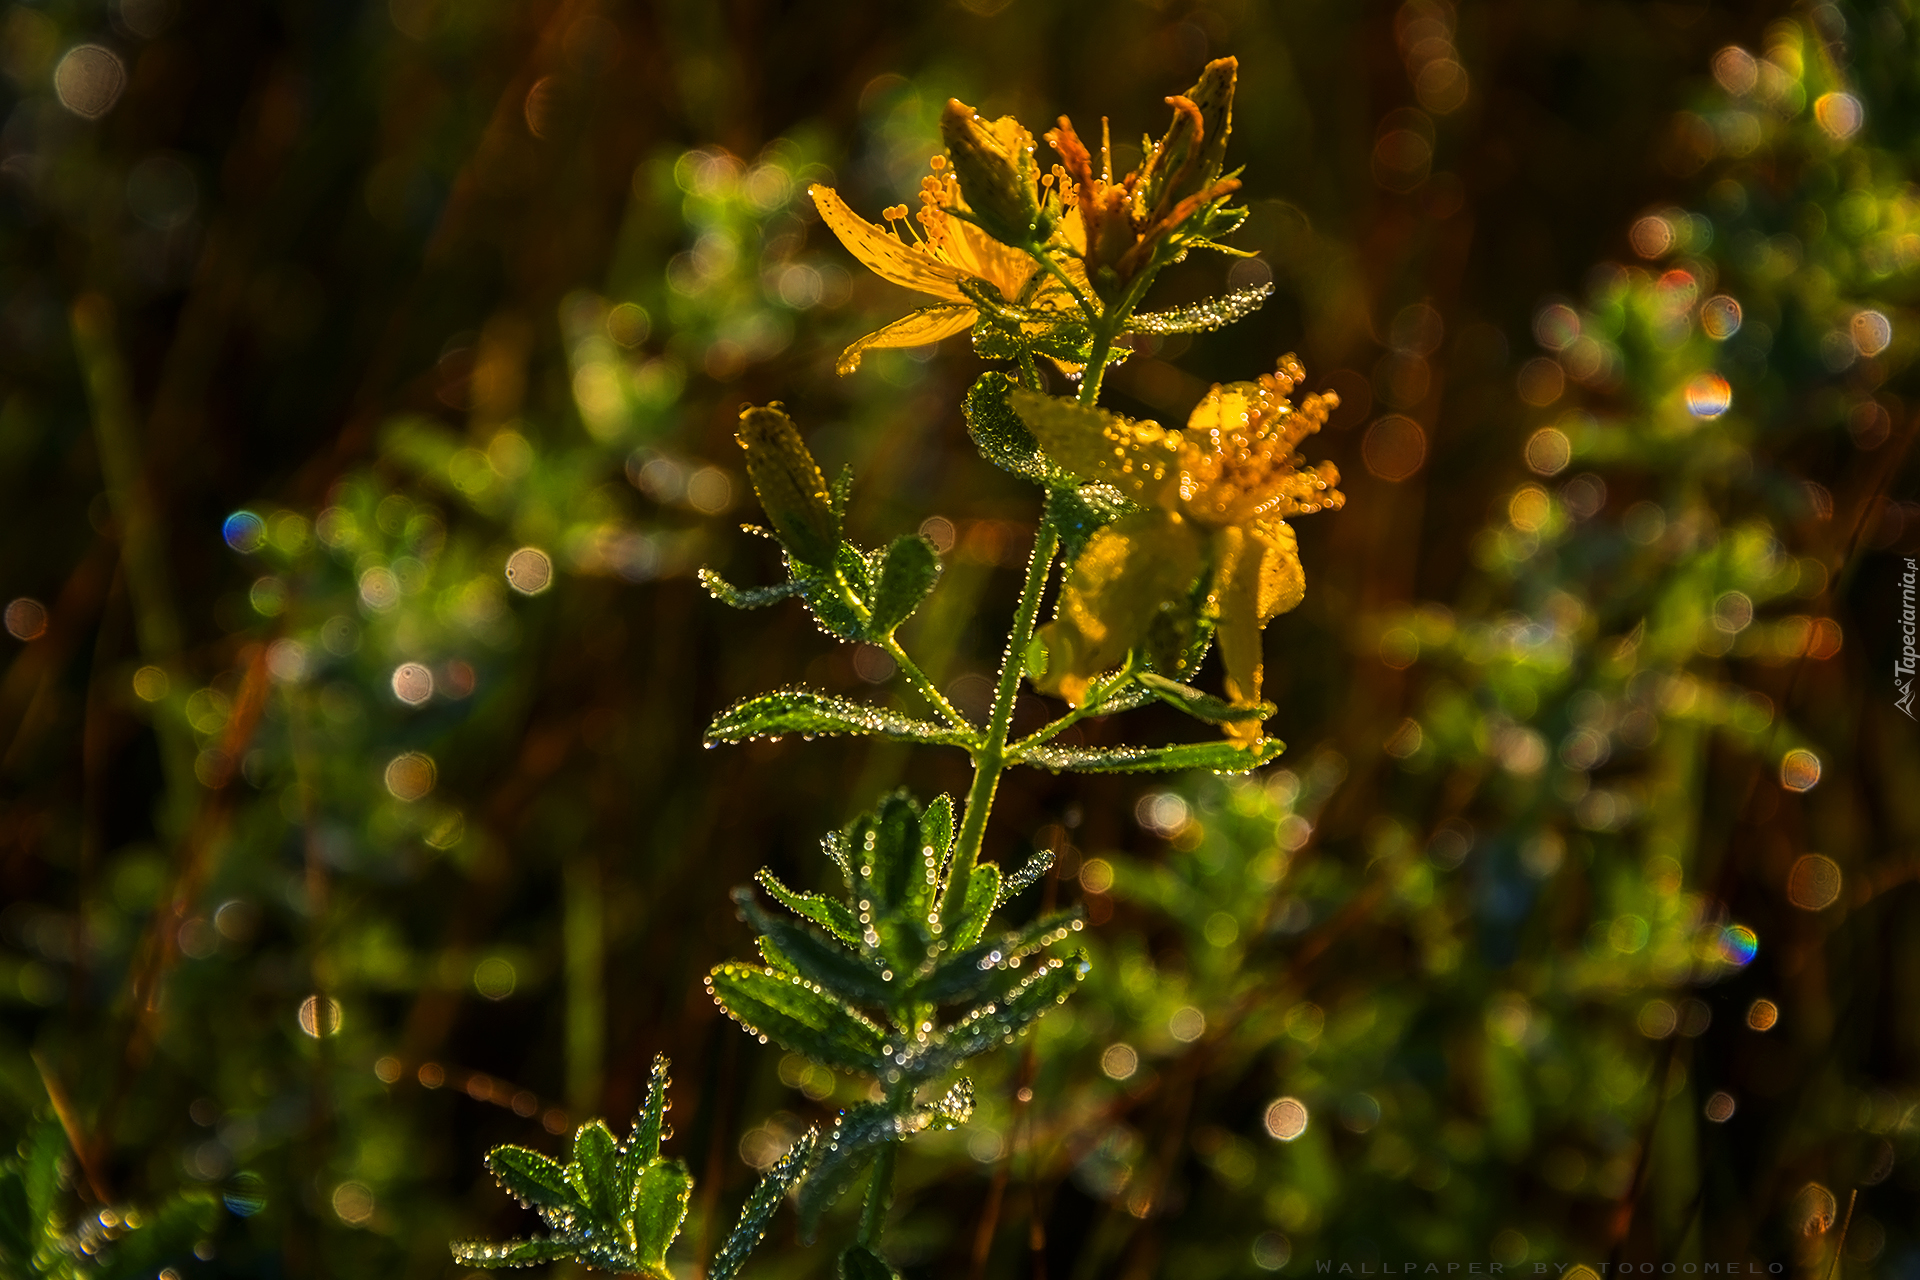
<point x="617" y="1206"/>
<point x="901" y="979"/>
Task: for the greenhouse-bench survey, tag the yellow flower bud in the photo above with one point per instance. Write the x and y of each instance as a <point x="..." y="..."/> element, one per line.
<point x="791" y="488"/>
<point x="994" y="163"/>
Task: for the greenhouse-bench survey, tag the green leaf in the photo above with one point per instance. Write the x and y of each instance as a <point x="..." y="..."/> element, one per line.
<point x="1078" y="513"/>
<point x="998" y="432"/>
<point x="531" y="1178"/>
<point x="594" y="1172"/>
<point x="856" y="1139"/>
<point x="936" y="829"/>
<point x="659" y="1207"/>
<point x="850" y="977"/>
<point x="983" y="890"/>
<point x="1023" y="879"/>
<point x="805" y="1020"/>
<point x="906" y="577"/>
<point x="963" y="975"/>
<point x="835" y="917"/>
<point x="1221" y="757"/>
<point x="1001" y="1021"/>
<point x="862" y="1263"/>
<point x="896" y="870"/>
<point x="748" y="597"/>
<point x="759" y="1209"/>
<point x="1201" y="317"/>
<point x="492" y="1256"/>
<point x="956" y="1106"/>
<point x="643" y="1144"/>
<point x="1201" y="706"/>
<point x="806" y="711"/>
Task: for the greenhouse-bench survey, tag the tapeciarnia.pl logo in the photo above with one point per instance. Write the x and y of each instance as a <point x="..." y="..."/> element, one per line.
<point x="1909" y="658"/>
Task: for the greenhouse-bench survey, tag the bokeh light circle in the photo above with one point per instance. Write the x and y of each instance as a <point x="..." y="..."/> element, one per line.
<point x="1762" y="1014"/>
<point x="1839" y="114"/>
<point x="1871" y="332"/>
<point x="410" y="776"/>
<point x="1709" y="396"/>
<point x="1800" y="770"/>
<point x="1813" y="883"/>
<point x="1394" y="448"/>
<point x="1720" y="317"/>
<point x="89" y="80"/>
<point x="1548" y="451"/>
<point x="412" y="683"/>
<point x="26" y="619"/>
<point x="1286" y="1118"/>
<point x="1720" y="1107"/>
<point x="1738" y="945"/>
<point x="529" y="571"/>
<point x="244" y="531"/>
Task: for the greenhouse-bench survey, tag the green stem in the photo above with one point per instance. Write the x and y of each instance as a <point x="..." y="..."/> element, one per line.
<point x="1030" y="370"/>
<point x="991" y="760"/>
<point x="1096" y="370"/>
<point x="1093" y="704"/>
<point x="921" y="681"/>
<point x="873" y="1214"/>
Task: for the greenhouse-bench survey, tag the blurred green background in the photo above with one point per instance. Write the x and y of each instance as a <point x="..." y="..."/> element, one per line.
<point x="367" y="381"/>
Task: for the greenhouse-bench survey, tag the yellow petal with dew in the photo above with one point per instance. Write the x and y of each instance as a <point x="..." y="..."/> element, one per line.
<point x="915" y="329"/>
<point x="1283" y="583"/>
<point x="1236" y="601"/>
<point x="883" y="253"/>
<point x="1139" y="458"/>
<point x="1128" y="572"/>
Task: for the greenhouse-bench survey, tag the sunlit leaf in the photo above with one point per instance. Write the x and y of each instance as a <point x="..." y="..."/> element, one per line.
<point x="805" y="711"/>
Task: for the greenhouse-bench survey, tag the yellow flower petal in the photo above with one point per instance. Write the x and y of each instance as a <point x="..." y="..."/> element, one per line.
<point x="1283" y="583"/>
<point x="1236" y="600"/>
<point x="883" y="253"/>
<point x="1141" y="459"/>
<point x="1127" y="572"/>
<point x="915" y="329"/>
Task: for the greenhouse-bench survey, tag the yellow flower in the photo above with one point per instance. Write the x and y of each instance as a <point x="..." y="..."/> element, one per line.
<point x="1124" y="223"/>
<point x="1217" y="496"/>
<point x="942" y="251"/>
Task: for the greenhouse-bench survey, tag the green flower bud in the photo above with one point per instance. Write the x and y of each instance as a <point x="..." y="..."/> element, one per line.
<point x="791" y="488"/>
<point x="994" y="163"/>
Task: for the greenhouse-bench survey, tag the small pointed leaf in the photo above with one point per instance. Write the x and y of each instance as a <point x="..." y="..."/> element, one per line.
<point x="659" y="1207"/>
<point x="1201" y="706"/>
<point x="849" y="1148"/>
<point x="594" y="1172"/>
<point x="962" y="975"/>
<point x="512" y="1253"/>
<point x="906" y="576"/>
<point x="745" y="597"/>
<point x="1023" y="879"/>
<point x="759" y="1209"/>
<point x="805" y="711"/>
<point x="835" y="917"/>
<point x="862" y="1263"/>
<point x="531" y="1177"/>
<point x="983" y="890"/>
<point x="851" y="977"/>
<point x="643" y="1145"/>
<point x="1200" y="317"/>
<point x="807" y="1021"/>
<point x="1221" y="757"/>
<point x="1049" y="984"/>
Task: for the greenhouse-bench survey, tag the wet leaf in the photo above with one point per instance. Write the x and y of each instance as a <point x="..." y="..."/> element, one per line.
<point x="805" y="711"/>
